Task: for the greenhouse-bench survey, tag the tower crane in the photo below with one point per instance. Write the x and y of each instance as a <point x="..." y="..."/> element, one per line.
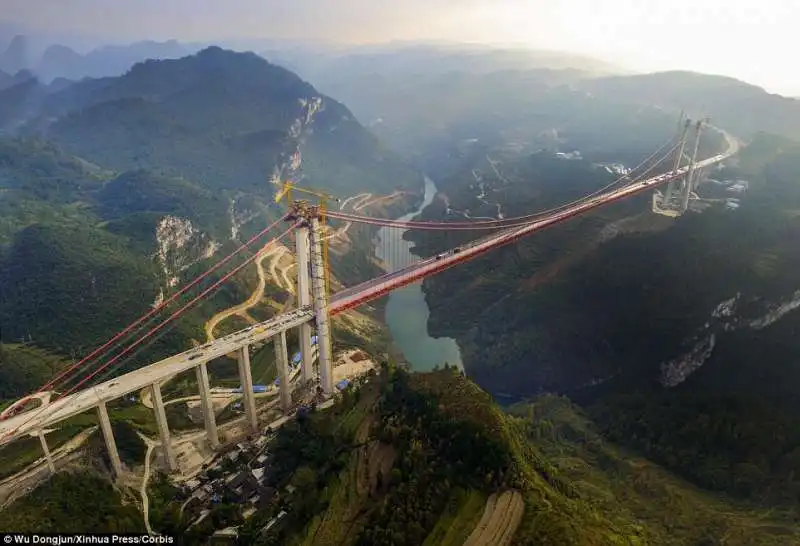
<point x="289" y="186"/>
<point x="286" y="190"/>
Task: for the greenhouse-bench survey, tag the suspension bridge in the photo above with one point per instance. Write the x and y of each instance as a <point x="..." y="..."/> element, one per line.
<point x="78" y="388"/>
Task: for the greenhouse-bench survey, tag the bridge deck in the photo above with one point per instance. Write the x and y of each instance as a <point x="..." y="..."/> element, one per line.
<point x="118" y="387"/>
<point x="84" y="400"/>
<point x="375" y="288"/>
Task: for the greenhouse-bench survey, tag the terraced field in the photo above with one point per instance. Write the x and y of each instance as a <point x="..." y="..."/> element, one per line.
<point x="459" y="520"/>
<point x="500" y="520"/>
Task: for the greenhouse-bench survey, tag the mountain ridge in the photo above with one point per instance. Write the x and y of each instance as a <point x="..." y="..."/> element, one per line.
<point x="240" y="94"/>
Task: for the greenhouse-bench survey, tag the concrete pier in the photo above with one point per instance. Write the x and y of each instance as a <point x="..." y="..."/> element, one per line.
<point x="46" y="452"/>
<point x="321" y="307"/>
<point x="282" y="362"/>
<point x="246" y="380"/>
<point x="303" y="299"/>
<point x="108" y="435"/>
<point x="163" y="427"/>
<point x="208" y="407"/>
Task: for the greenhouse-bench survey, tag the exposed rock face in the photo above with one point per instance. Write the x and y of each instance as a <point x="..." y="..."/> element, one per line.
<point x="726" y="317"/>
<point x="289" y="167"/>
<point x="776" y="312"/>
<point x="676" y="371"/>
<point x="179" y="246"/>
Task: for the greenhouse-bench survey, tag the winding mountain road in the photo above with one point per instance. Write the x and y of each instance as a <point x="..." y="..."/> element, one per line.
<point x="274" y="252"/>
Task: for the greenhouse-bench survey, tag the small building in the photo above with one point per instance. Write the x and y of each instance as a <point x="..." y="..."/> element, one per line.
<point x="250" y="487"/>
<point x="275" y="520"/>
<point x="194" y="506"/>
<point x="201" y="517"/>
<point x="238" y="495"/>
<point x="238" y="479"/>
<point x="228" y="532"/>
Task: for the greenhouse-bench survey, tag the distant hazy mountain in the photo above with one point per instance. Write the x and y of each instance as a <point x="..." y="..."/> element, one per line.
<point x="418" y="97"/>
<point x="331" y="67"/>
<point x="16" y="57"/>
<point x="62" y="61"/>
<point x="738" y="106"/>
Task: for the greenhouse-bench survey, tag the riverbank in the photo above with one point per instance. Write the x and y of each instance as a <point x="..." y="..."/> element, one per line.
<point x="407" y="312"/>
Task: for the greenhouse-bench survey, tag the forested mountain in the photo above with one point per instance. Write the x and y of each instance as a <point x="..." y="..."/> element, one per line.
<point x="422" y="458"/>
<point x="678" y="337"/>
<point x="679" y="333"/>
<point x="425" y="459"/>
<point x="78" y="250"/>
<point x="224" y="119"/>
<point x="134" y="182"/>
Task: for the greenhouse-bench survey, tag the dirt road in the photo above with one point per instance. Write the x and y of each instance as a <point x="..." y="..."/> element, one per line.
<point x="274" y="252"/>
<point x="145" y="478"/>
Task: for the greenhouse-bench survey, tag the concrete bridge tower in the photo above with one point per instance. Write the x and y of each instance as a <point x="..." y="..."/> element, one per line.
<point x="688" y="183"/>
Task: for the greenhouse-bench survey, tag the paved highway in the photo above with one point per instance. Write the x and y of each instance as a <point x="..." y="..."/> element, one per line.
<point x="84" y="400"/>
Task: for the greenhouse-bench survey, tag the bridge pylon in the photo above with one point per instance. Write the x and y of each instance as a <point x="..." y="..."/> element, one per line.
<point x="669" y="193"/>
<point x="302" y="252"/>
<point x="309" y="218"/>
<point x="689" y="182"/>
<point x="675" y="199"/>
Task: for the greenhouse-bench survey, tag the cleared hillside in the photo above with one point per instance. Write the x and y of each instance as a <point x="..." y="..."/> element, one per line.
<point x="429" y="459"/>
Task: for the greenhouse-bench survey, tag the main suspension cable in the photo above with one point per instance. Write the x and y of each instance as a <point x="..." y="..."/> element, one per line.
<point x="507" y="222"/>
<point x="475" y="226"/>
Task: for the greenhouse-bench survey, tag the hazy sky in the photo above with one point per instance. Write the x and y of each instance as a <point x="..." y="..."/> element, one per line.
<point x="754" y="40"/>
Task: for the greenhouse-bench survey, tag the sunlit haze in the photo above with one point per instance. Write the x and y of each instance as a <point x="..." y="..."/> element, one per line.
<point x="742" y="38"/>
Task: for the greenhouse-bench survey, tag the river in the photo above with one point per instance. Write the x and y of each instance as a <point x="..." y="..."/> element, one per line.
<point x="406" y="311"/>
